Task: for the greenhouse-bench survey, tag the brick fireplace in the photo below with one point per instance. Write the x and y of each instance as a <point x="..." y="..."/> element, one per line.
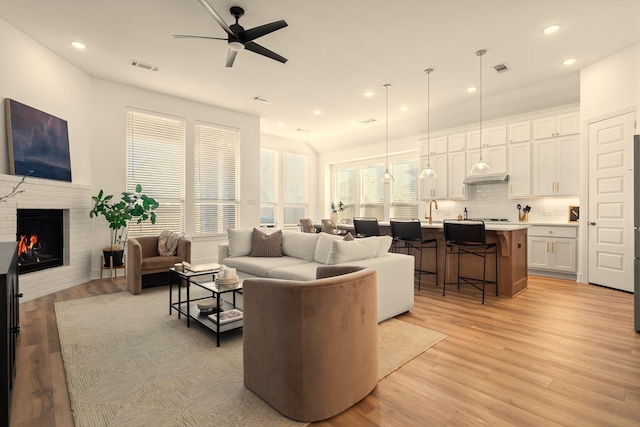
<point x="73" y="201"/>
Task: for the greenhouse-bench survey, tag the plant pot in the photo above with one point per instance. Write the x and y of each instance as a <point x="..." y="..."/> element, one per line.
<point x="117" y="256"/>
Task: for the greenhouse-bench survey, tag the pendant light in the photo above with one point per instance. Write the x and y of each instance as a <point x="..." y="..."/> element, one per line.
<point x="429" y="172"/>
<point x="387" y="177"/>
<point x="481" y="167"/>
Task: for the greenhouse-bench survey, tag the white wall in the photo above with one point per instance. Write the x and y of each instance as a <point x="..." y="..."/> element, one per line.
<point x="108" y="154"/>
<point x="35" y="76"/>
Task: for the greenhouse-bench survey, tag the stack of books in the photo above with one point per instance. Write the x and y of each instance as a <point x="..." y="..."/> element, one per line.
<point x="227" y="316"/>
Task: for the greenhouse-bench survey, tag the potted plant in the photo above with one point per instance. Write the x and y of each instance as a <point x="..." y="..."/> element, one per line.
<point x="119" y="214"/>
<point x="340" y="207"/>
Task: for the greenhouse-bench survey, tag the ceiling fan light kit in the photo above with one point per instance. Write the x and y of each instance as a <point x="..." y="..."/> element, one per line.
<point x="481" y="167"/>
<point x="387" y="177"/>
<point x="239" y="39"/>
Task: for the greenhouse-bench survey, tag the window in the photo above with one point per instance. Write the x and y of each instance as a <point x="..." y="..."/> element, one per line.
<point x="155" y="160"/>
<point x="268" y="185"/>
<point x="372" y="191"/>
<point x="345" y="191"/>
<point x="216" y="178"/>
<point x="404" y="189"/>
<point x="295" y="188"/>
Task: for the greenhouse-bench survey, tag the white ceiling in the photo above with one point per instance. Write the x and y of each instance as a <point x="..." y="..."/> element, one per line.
<point x="339" y="49"/>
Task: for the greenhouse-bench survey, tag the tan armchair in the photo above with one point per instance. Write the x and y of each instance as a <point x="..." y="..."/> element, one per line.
<point x="144" y="262"/>
<point x="311" y="348"/>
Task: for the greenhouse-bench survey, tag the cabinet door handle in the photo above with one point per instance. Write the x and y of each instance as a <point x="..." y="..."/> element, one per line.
<point x="553" y="187"/>
<point x="558" y="186"/>
<point x="511" y="188"/>
<point x="553" y="247"/>
<point x="547" y="246"/>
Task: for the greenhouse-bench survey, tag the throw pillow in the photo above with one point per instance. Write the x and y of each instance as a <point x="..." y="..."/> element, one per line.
<point x="168" y="242"/>
<point x="356" y="250"/>
<point x="266" y="245"/>
<point x="349" y="237"/>
<point x="385" y="244"/>
<point x="324" y="246"/>
<point x="239" y="242"/>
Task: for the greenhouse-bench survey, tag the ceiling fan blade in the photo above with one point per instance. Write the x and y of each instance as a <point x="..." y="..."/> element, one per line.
<point x="182" y="36"/>
<point x="255" y="47"/>
<point x="217" y="17"/>
<point x="254" y="33"/>
<point x="231" y="56"/>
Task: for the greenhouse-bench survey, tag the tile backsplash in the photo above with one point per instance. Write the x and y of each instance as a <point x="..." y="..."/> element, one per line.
<point x="491" y="201"/>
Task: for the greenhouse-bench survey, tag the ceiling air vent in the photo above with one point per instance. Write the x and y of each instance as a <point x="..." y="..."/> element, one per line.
<point x="368" y="121"/>
<point x="263" y="100"/>
<point x="501" y="68"/>
<point x="303" y="130"/>
<point x="143" y="65"/>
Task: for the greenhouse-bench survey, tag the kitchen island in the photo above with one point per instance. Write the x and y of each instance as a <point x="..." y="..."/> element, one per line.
<point x="511" y="239"/>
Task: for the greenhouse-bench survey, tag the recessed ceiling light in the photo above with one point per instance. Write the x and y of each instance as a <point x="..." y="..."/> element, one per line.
<point x="78" y="45"/>
<point x="471" y="89"/>
<point x="352" y="122"/>
<point x="569" y="61"/>
<point x="551" y="29"/>
<point x="404" y="108"/>
<point x="317" y="112"/>
<point x="369" y="93"/>
<point x="280" y="125"/>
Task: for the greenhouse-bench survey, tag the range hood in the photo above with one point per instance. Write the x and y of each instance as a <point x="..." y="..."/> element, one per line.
<point x="489" y="178"/>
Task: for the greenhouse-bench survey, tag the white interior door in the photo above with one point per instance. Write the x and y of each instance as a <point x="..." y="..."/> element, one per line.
<point x="611" y="202"/>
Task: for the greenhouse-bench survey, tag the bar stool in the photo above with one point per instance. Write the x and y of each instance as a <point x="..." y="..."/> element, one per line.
<point x="469" y="238"/>
<point x="366" y="227"/>
<point x="408" y="234"/>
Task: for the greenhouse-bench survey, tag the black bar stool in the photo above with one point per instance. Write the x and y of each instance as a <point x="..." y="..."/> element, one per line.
<point x="468" y="237"/>
<point x="366" y="227"/>
<point x="408" y="234"/>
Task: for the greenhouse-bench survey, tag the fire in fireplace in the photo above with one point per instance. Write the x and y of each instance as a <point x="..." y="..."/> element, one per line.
<point x="40" y="239"/>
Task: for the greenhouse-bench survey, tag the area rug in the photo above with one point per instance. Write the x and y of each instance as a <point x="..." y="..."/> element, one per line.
<point x="128" y="363"/>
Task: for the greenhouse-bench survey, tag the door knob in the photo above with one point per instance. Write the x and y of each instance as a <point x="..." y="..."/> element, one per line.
<point x="592" y="223"/>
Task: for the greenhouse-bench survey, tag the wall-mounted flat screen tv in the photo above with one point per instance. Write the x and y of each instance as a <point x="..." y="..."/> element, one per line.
<point x="38" y="143"/>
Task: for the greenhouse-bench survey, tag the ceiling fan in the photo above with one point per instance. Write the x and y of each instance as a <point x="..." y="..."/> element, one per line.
<point x="238" y="38"/>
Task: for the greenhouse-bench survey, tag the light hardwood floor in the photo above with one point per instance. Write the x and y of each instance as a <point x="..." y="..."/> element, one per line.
<point x="561" y="353"/>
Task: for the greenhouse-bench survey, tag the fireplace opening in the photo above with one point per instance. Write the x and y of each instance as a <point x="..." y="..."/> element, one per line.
<point x="40" y="239"/>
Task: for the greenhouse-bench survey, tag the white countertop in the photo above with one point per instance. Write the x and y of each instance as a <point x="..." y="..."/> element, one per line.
<point x="491" y="226"/>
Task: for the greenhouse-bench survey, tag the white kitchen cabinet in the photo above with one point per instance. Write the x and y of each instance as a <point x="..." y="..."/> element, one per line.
<point x="560" y="125"/>
<point x="492" y="136"/>
<point x="496" y="157"/>
<point x="437" y="145"/>
<point x="457" y="142"/>
<point x="555" y="166"/>
<point x="457" y="172"/>
<point x="434" y="189"/>
<point x="552" y="248"/>
<point x="519" y="169"/>
<point x="519" y="132"/>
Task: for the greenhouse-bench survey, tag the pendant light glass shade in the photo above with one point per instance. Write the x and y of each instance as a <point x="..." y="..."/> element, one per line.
<point x="428" y="172"/>
<point x="387" y="177"/>
<point x="481" y="167"/>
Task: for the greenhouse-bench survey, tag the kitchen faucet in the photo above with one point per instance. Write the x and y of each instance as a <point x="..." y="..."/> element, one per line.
<point x="430" y="215"/>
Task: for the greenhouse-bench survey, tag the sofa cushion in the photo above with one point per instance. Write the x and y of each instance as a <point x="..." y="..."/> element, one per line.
<point x="168" y="242"/>
<point x="266" y="245"/>
<point x="239" y="242"/>
<point x="260" y="266"/>
<point x="159" y="262"/>
<point x="305" y="271"/>
<point x="385" y="244"/>
<point x="299" y="245"/>
<point x="345" y="251"/>
<point x="323" y="247"/>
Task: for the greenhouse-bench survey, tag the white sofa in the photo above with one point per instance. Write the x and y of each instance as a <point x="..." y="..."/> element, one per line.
<point x="303" y="253"/>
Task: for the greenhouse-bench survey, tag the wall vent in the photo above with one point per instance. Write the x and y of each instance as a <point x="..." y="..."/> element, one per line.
<point x="262" y="99"/>
<point x="144" y="66"/>
<point x="501" y="68"/>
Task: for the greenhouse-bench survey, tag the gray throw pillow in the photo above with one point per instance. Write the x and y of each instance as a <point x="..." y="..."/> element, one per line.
<point x="266" y="245"/>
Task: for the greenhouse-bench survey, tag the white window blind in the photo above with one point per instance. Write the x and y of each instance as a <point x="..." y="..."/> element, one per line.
<point x="345" y="191"/>
<point x="155" y="160"/>
<point x="295" y="188"/>
<point x="404" y="189"/>
<point x="372" y="191"/>
<point x="217" y="178"/>
<point x="268" y="186"/>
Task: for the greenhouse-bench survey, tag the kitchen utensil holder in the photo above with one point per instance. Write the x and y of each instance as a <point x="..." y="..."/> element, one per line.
<point x="524" y="217"/>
